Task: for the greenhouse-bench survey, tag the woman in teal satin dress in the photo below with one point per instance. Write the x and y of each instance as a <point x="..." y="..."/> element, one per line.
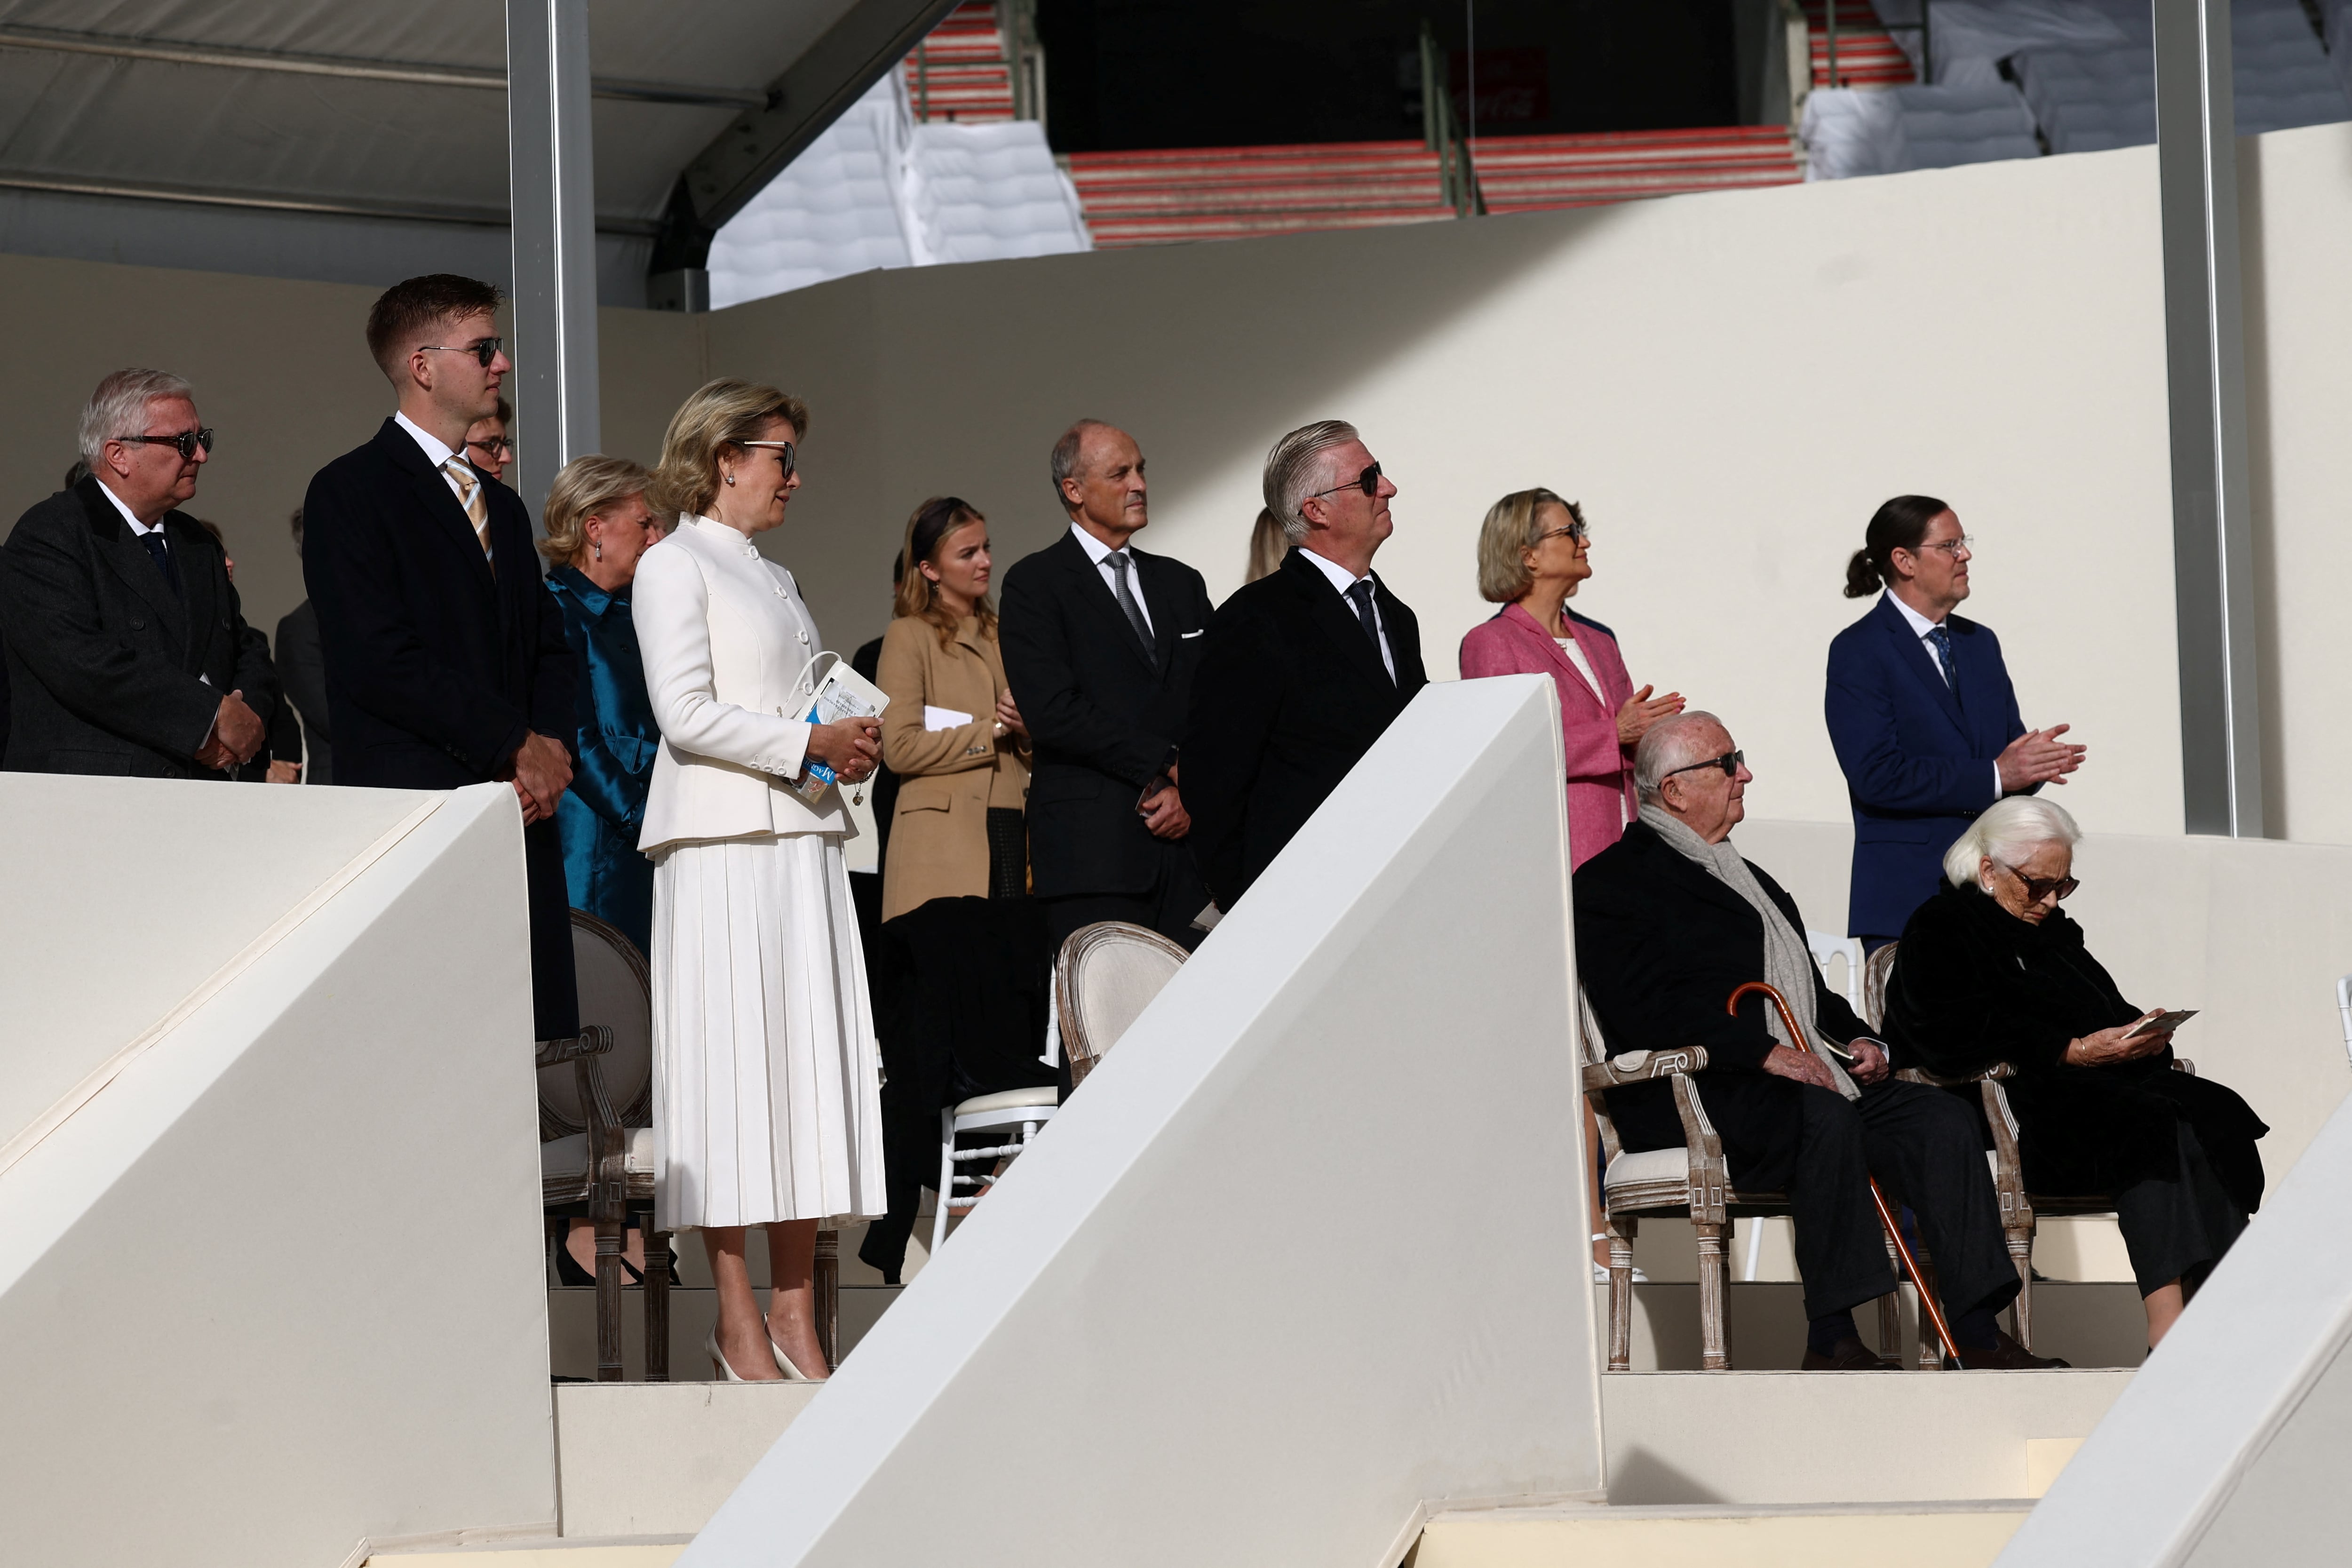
<point x="597" y="527"/>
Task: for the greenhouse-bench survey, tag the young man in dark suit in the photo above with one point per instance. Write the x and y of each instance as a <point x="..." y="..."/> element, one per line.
<point x="445" y="653"/>
<point x="1303" y="668"/>
<point x="1099" y="642"/>
<point x="1922" y="715"/>
<point x="127" y="653"/>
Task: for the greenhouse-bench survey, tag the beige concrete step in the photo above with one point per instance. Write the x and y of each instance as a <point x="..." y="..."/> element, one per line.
<point x="644" y="1552"/>
<point x="1958" y="1534"/>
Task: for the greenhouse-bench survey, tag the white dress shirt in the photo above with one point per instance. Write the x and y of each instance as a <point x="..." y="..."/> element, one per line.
<point x="1342" y="580"/>
<point x="1100" y="554"/>
<point x="1920" y="626"/>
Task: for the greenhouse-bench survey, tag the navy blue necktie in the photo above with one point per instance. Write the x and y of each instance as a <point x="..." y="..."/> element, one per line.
<point x="1942" y="640"/>
<point x="153" y="541"/>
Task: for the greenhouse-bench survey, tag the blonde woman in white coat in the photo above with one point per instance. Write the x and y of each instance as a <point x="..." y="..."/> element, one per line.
<point x="766" y="1075"/>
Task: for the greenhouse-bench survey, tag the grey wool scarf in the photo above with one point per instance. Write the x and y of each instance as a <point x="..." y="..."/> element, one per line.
<point x="1787" y="962"/>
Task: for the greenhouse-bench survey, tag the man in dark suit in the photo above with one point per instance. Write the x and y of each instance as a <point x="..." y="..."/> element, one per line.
<point x="1099" y="642"/>
<point x="127" y="653"/>
<point x="1922" y="715"/>
<point x="1670" y="921"/>
<point x="1303" y="670"/>
<point x="445" y="653"/>
<point x="302" y="673"/>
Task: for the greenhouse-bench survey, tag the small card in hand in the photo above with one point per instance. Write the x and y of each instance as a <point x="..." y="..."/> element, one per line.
<point x="2163" y="1022"/>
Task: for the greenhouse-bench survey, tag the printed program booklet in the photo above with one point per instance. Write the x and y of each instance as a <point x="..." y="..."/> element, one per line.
<point x="842" y="694"/>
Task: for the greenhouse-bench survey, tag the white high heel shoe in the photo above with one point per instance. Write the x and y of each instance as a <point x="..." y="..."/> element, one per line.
<point x="785" y="1364"/>
<point x="728" y="1374"/>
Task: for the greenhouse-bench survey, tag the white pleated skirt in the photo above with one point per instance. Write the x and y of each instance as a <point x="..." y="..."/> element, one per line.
<point x="767" y="1077"/>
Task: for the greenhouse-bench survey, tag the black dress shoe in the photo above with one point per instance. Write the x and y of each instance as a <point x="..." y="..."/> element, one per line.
<point x="1851" y="1355"/>
<point x="2006" y="1355"/>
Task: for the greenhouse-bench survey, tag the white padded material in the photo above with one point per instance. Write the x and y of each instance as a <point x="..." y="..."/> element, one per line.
<point x="1010" y="1099"/>
<point x="566" y="1159"/>
<point x="614" y="993"/>
<point x="1650" y="1165"/>
<point x="1114" y="985"/>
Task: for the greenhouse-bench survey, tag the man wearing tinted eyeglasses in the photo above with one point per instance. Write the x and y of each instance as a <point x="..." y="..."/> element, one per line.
<point x="1303" y="668"/>
<point x="128" y="652"/>
<point x="1670" y="921"/>
<point x="445" y="653"/>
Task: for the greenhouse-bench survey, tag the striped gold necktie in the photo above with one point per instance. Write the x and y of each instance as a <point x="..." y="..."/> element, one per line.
<point x="469" y="492"/>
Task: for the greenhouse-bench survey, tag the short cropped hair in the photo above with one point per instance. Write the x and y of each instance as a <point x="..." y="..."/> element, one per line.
<point x="1065" y="456"/>
<point x="119" y="407"/>
<point x="2008" y="831"/>
<point x="718" y="414"/>
<point x="1671" y="745"/>
<point x="588" y="487"/>
<point x="1297" y="468"/>
<point x="403" y="310"/>
<point x="1511" y="527"/>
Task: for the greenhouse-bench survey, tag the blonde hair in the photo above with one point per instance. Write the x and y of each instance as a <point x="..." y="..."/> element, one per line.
<point x="2008" y="831"/>
<point x="716" y="416"/>
<point x="1511" y="528"/>
<point x="587" y="488"/>
<point x="1268" y="545"/>
<point x="934" y="523"/>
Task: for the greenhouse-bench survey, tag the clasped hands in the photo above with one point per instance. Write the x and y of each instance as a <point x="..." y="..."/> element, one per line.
<point x="852" y="748"/>
<point x="540" y="771"/>
<point x="237" y="734"/>
<point x="1870" y="1064"/>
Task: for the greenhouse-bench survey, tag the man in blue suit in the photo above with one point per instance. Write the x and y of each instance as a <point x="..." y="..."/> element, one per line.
<point x="1922" y="714"/>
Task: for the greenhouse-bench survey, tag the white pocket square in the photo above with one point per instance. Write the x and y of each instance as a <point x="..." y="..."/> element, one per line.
<point x="1186" y="635"/>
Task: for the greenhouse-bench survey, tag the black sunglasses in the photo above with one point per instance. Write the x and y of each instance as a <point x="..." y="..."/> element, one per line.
<point x="784" y="451"/>
<point x="484" y="350"/>
<point x="1368" y="481"/>
<point x="2040" y="888"/>
<point x="1730" y="763"/>
<point x="185" y="443"/>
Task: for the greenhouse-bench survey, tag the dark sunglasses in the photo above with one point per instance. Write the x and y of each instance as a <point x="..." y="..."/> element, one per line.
<point x="1368" y="481"/>
<point x="2040" y="888"/>
<point x="1573" y="530"/>
<point x="185" y="443"/>
<point x="785" y="453"/>
<point x="484" y="350"/>
<point x="1730" y="763"/>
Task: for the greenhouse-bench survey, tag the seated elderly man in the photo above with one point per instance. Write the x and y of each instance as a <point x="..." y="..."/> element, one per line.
<point x="1669" y="922"/>
<point x="1990" y="970"/>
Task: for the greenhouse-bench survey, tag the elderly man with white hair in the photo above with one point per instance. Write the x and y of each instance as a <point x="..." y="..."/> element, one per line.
<point x="1990" y="970"/>
<point x="128" y="652"/>
<point x="1670" y="921"/>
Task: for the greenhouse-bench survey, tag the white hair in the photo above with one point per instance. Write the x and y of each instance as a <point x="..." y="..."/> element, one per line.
<point x="2008" y="831"/>
<point x="1670" y="745"/>
<point x="1299" y="469"/>
<point x="119" y="407"/>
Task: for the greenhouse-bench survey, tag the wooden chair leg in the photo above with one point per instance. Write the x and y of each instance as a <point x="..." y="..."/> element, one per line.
<point x="1931" y="1353"/>
<point x="1714" y="1327"/>
<point x="656" y="1303"/>
<point x="826" y="1279"/>
<point x="1890" y="1308"/>
<point x="1620" y="1292"/>
<point x="610" y="1231"/>
<point x="2021" y="1252"/>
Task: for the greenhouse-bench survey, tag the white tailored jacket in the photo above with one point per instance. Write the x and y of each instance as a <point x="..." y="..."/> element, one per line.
<point x="726" y="642"/>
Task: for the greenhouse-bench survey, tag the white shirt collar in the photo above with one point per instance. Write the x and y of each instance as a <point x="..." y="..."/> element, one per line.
<point x="1920" y="625"/>
<point x="1340" y="578"/>
<point x="436" y="451"/>
<point x="1096" y="551"/>
<point x="136" y="526"/>
<point x="718" y="534"/>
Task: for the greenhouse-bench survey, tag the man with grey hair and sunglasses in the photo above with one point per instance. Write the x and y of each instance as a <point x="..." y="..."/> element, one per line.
<point x="1302" y="669"/>
<point x="1670" y="921"/>
<point x="128" y="652"/>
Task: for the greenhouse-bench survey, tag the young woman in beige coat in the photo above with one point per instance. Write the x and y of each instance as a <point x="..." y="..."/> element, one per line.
<point x="951" y="734"/>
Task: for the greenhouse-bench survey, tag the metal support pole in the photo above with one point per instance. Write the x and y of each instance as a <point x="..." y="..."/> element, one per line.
<point x="2205" y="372"/>
<point x="552" y="189"/>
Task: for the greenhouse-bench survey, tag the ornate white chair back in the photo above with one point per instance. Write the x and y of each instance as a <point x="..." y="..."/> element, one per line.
<point x="615" y="991"/>
<point x="1106" y="975"/>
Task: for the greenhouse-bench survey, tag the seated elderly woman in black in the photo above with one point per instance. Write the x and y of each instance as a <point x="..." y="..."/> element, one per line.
<point x="1990" y="970"/>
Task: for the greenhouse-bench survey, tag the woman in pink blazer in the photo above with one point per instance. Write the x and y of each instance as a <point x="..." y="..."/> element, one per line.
<point x="1532" y="555"/>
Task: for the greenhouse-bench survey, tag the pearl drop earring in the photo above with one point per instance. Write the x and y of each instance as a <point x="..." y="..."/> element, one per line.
<point x="731" y="479"/>
<point x="600" y="550"/>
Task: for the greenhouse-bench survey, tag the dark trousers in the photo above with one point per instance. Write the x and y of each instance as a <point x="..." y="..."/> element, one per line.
<point x="1175" y="899"/>
<point x="554" y="986"/>
<point x="1925" y="1150"/>
<point x="2177" y="1227"/>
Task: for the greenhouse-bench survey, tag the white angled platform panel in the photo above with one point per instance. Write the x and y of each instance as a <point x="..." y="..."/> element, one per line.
<point x="1303" y="1257"/>
<point x="270" y="1270"/>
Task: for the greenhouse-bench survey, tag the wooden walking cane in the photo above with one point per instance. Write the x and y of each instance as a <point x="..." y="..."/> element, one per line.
<point x="1886" y="1215"/>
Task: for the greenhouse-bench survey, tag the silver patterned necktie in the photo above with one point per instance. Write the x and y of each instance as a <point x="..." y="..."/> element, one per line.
<point x="1120" y="565"/>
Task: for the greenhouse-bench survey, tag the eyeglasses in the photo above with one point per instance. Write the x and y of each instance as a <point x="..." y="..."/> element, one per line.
<point x="1952" y="547"/>
<point x="484" y="350"/>
<point x="1730" y="763"/>
<point x="185" y="443"/>
<point x="1575" y="530"/>
<point x="1368" y="481"/>
<point x="784" y="450"/>
<point x="493" y="445"/>
<point x="2040" y="888"/>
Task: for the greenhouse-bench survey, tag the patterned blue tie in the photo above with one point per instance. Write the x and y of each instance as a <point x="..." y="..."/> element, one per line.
<point x="153" y="541"/>
<point x="1942" y="640"/>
